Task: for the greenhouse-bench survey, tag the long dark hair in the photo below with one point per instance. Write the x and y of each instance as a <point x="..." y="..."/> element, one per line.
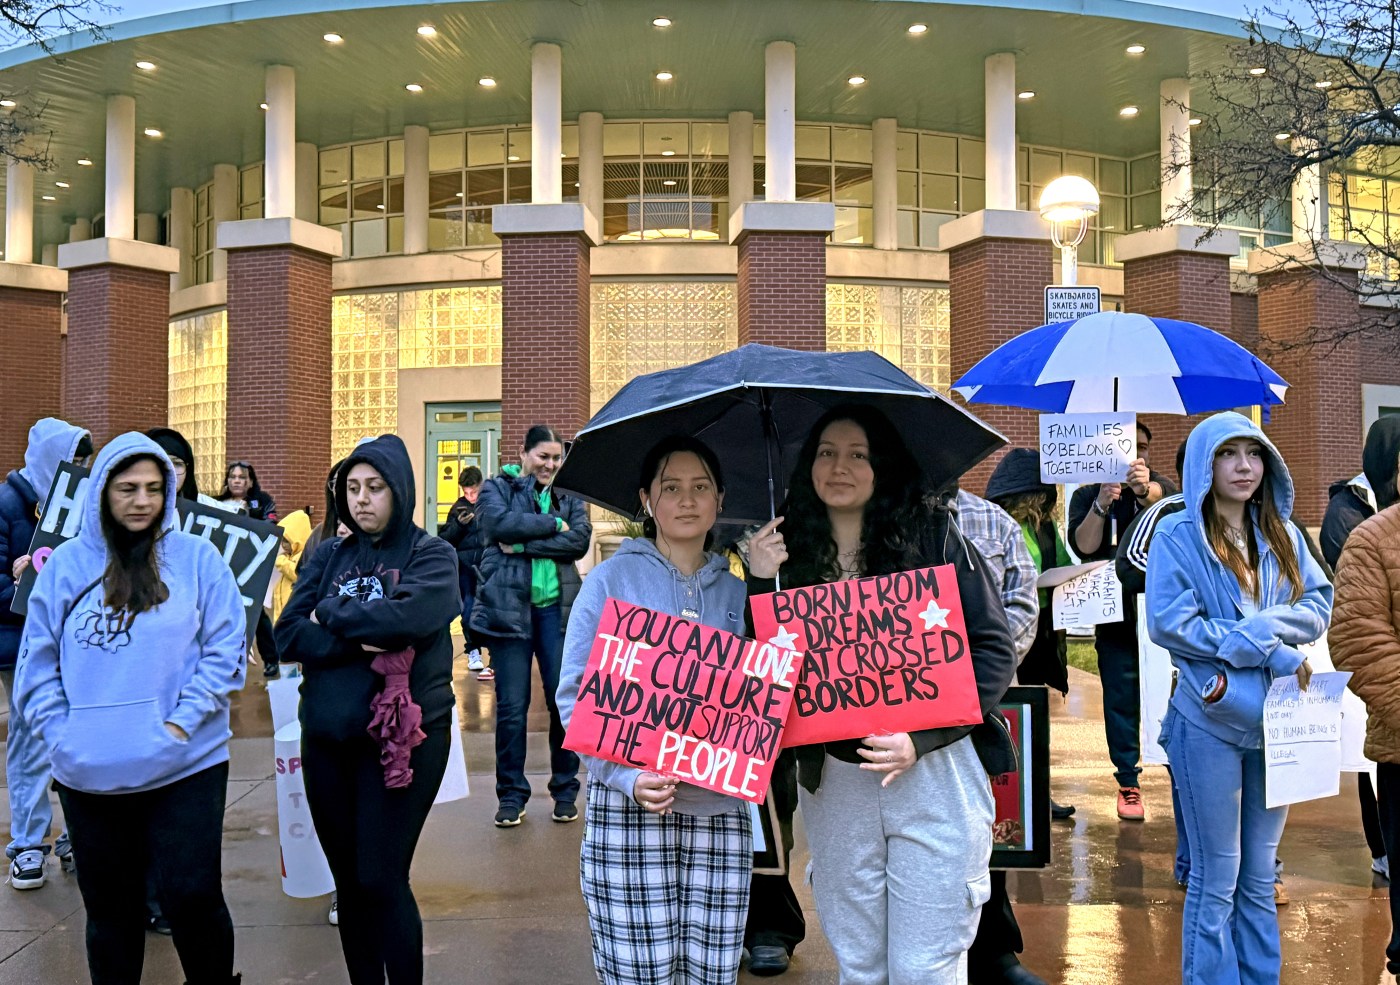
<point x="254" y="493"/>
<point x="539" y="434"/>
<point x="655" y="461"/>
<point x="894" y="519"/>
<point x="132" y="580"/>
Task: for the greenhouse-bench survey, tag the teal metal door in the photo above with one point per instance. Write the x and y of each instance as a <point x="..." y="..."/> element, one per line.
<point x="459" y="435"/>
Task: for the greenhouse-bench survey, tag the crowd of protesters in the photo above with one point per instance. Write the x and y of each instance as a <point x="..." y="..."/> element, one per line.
<point x="134" y="627"/>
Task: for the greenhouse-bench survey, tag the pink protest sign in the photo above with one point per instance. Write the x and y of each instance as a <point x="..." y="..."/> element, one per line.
<point x="671" y="696"/>
<point x="879" y="655"/>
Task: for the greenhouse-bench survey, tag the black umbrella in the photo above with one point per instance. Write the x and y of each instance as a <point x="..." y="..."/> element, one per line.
<point x="754" y="406"/>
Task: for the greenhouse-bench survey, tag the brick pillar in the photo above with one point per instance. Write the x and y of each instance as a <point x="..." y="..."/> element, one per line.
<point x="999" y="263"/>
<point x="31" y="315"/>
<point x="1318" y="429"/>
<point x="115" y="374"/>
<point x="1172" y="272"/>
<point x="782" y="273"/>
<point x="279" y="353"/>
<point x="546" y="325"/>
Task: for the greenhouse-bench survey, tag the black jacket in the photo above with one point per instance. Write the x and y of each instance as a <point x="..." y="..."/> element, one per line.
<point x="988" y="638"/>
<point x="466" y="536"/>
<point x="18" y="517"/>
<point x="396" y="592"/>
<point x="509" y="514"/>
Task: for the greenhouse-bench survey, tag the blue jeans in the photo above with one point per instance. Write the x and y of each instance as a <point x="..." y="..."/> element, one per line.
<point x="510" y="659"/>
<point x="1229" y="930"/>
<point x="1181" y="868"/>
<point x="27" y="768"/>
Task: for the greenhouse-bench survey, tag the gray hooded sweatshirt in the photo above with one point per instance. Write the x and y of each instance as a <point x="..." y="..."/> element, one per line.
<point x="638" y="573"/>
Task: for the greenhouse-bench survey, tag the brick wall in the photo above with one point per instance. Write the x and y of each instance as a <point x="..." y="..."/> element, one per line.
<point x="115" y="373"/>
<point x="30" y="354"/>
<point x="996" y="291"/>
<point x="279" y="370"/>
<point x="1318" y="429"/>
<point x="545" y="335"/>
<point x="782" y="290"/>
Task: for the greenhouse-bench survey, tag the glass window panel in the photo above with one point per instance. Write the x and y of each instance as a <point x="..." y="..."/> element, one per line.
<point x="1146" y="210"/>
<point x="851" y="144"/>
<point x="570" y="182"/>
<point x="367" y="200"/>
<point x="814" y="183"/>
<point x="1144" y="174"/>
<point x="907" y="189"/>
<point x="201" y="238"/>
<point x="519" y="190"/>
<point x="813" y="143"/>
<point x="666" y="179"/>
<point x="710" y="180"/>
<point x="367" y="238"/>
<point x="1023" y="198"/>
<point x="906" y="150"/>
<point x="1365" y="192"/>
<point x="251" y="182"/>
<point x="479" y="231"/>
<point x="710" y="220"/>
<point x="396" y="234"/>
<point x="1113" y="177"/>
<point x="659" y="137"/>
<point x="1113" y="213"/>
<point x="1278" y="217"/>
<point x="367" y="160"/>
<point x="760" y="142"/>
<point x="622" y="140"/>
<point x="907" y="223"/>
<point x="486" y="147"/>
<point x="445" y="230"/>
<point x="974" y="195"/>
<point x="759" y="179"/>
<point x="666" y="220"/>
<point x="518" y="145"/>
<point x="253" y="211"/>
<point x="394" y="194"/>
<point x="1023" y="164"/>
<point x="622" y="180"/>
<point x="444" y="189"/>
<point x="940" y="192"/>
<point x="854" y="225"/>
<point x="1046" y="166"/>
<point x="1089" y="249"/>
<point x="622" y="220"/>
<point x="335" y="166"/>
<point x="1081" y="165"/>
<point x="938" y="154"/>
<point x="396" y="157"/>
<point x="486" y="187"/>
<point x="929" y="223"/>
<point x="202" y="202"/>
<point x="972" y="157"/>
<point x="709" y="139"/>
<point x="1393" y="196"/>
<point x="568" y="142"/>
<point x="334" y="206"/>
<point x="853" y="185"/>
<point x="445" y="151"/>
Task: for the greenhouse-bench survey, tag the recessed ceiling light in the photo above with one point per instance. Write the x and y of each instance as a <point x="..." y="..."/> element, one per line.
<point x="459" y="194"/>
<point x="513" y="157"/>
<point x="146" y="66"/>
<point x="668" y="153"/>
<point x="60" y="184"/>
<point x="332" y="38"/>
<point x="669" y="181"/>
<point x="1258" y="70"/>
<point x="8" y="103"/>
<point x="1319" y="84"/>
<point x="486" y="82"/>
<point x="1026" y="94"/>
<point x="1195" y="121"/>
<point x="856" y="80"/>
<point x="262" y="106"/>
<point x="1281" y="135"/>
<point x="85" y="162"/>
<point x="152" y="132"/>
<point x="48" y="198"/>
<point x="664" y="76"/>
<point x="918" y="28"/>
<point x="661" y="22"/>
<point x="427" y="30"/>
<point x="414" y="87"/>
<point x="1136" y="49"/>
<point x="380" y="208"/>
<point x="1128" y="111"/>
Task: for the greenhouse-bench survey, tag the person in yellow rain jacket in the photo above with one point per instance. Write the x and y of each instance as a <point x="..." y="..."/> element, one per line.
<point x="296" y="530"/>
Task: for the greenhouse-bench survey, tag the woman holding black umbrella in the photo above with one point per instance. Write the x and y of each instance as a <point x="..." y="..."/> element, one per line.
<point x="899" y="825"/>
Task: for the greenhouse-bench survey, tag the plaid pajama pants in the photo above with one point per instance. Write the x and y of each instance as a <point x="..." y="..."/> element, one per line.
<point x="667" y="896"/>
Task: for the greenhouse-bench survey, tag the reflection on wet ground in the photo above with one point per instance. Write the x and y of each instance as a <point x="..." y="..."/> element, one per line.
<point x="506" y="904"/>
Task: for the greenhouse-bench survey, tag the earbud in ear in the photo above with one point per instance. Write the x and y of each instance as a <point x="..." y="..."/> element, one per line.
<point x="647" y="507"/>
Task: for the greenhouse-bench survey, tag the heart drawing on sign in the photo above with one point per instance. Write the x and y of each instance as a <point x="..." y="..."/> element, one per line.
<point x="1126" y="444"/>
<point x="1047" y="450"/>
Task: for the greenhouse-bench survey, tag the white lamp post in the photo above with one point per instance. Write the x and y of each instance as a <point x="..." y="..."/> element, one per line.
<point x="1067" y="203"/>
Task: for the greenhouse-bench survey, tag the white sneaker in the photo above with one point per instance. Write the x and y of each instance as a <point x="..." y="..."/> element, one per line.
<point x="27" y="870"/>
<point x="474" y="660"/>
<point x="334" y="915"/>
<point x="1381" y="866"/>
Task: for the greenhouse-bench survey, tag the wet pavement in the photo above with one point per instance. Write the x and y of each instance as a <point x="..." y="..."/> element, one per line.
<point x="504" y="906"/>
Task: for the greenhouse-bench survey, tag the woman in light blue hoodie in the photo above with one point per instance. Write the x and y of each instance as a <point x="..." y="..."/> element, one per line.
<point x="665" y="865"/>
<point x="134" y="641"/>
<point x="1232" y="592"/>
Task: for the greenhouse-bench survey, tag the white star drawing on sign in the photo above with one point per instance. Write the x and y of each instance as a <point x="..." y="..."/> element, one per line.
<point x="783" y="639"/>
<point x="934" y="616"/>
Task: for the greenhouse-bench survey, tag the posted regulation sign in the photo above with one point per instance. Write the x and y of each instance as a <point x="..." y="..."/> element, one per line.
<point x="1069" y="303"/>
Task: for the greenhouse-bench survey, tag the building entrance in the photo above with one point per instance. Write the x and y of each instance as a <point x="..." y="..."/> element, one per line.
<point x="459" y="435"/>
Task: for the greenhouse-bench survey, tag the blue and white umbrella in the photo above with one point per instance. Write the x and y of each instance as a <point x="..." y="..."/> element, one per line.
<point x="1113" y="361"/>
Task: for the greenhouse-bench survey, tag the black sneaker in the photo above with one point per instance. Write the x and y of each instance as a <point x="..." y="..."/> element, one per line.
<point x="272" y="672"/>
<point x="768" y="959"/>
<point x="157" y="924"/>
<point x="565" y="813"/>
<point x="509" y="816"/>
<point x="27" y="869"/>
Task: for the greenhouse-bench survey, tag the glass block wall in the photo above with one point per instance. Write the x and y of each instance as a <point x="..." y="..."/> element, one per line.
<point x="198" y="376"/>
<point x="909" y="326"/>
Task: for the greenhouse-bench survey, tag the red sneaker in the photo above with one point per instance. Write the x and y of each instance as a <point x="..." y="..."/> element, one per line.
<point x="1130" y="804"/>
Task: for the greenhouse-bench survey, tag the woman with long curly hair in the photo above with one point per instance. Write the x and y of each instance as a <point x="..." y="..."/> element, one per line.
<point x="899" y="826"/>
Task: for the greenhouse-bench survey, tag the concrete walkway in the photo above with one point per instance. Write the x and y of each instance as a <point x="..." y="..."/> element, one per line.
<point x="503" y="906"/>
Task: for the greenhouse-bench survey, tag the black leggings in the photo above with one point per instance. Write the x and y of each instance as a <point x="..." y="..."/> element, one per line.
<point x="369" y="834"/>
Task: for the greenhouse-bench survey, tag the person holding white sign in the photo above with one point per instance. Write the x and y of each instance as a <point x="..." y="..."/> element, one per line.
<point x="1232" y="592"/>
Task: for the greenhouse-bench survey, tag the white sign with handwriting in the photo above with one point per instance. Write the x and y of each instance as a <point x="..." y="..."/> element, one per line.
<point x="1087" y="448"/>
<point x="1303" y="739"/>
<point x="1088" y="599"/>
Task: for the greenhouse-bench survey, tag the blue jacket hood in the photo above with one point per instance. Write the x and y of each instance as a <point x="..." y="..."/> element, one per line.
<point x="114" y="453"/>
<point x="1199" y="468"/>
<point x="51" y="442"/>
<point x="716" y="565"/>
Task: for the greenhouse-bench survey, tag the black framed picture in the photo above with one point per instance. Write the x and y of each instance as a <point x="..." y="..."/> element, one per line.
<point x="769" y="859"/>
<point x="1021" y="834"/>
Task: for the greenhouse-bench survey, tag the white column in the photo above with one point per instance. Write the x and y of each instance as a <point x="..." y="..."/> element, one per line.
<point x="308" y="182"/>
<point x="780" y="121"/>
<point x="280" y="161"/>
<point x="80" y="230"/>
<point x="49" y="255"/>
<point x="415" y="189"/>
<point x="885" y="183"/>
<point x="224" y="206"/>
<point x="120" y="165"/>
<point x="19" y="212"/>
<point x="182" y="235"/>
<point x="1309" y="199"/>
<point x="1000" y="72"/>
<point x="148" y="227"/>
<point x="590" y="163"/>
<point x="546" y="124"/>
<point x="1176" y="150"/>
<point x="740" y="159"/>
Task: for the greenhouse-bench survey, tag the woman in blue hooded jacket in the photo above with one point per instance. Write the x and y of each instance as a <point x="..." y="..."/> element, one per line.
<point x="1232" y="592"/>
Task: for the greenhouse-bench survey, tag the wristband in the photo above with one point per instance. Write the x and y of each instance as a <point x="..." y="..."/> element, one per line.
<point x="1098" y="509"/>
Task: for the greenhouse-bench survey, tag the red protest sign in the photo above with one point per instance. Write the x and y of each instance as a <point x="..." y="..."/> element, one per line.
<point x="669" y="695"/>
<point x="879" y="655"/>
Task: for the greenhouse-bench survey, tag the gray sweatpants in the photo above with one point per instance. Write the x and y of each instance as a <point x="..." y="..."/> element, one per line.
<point x="900" y="874"/>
